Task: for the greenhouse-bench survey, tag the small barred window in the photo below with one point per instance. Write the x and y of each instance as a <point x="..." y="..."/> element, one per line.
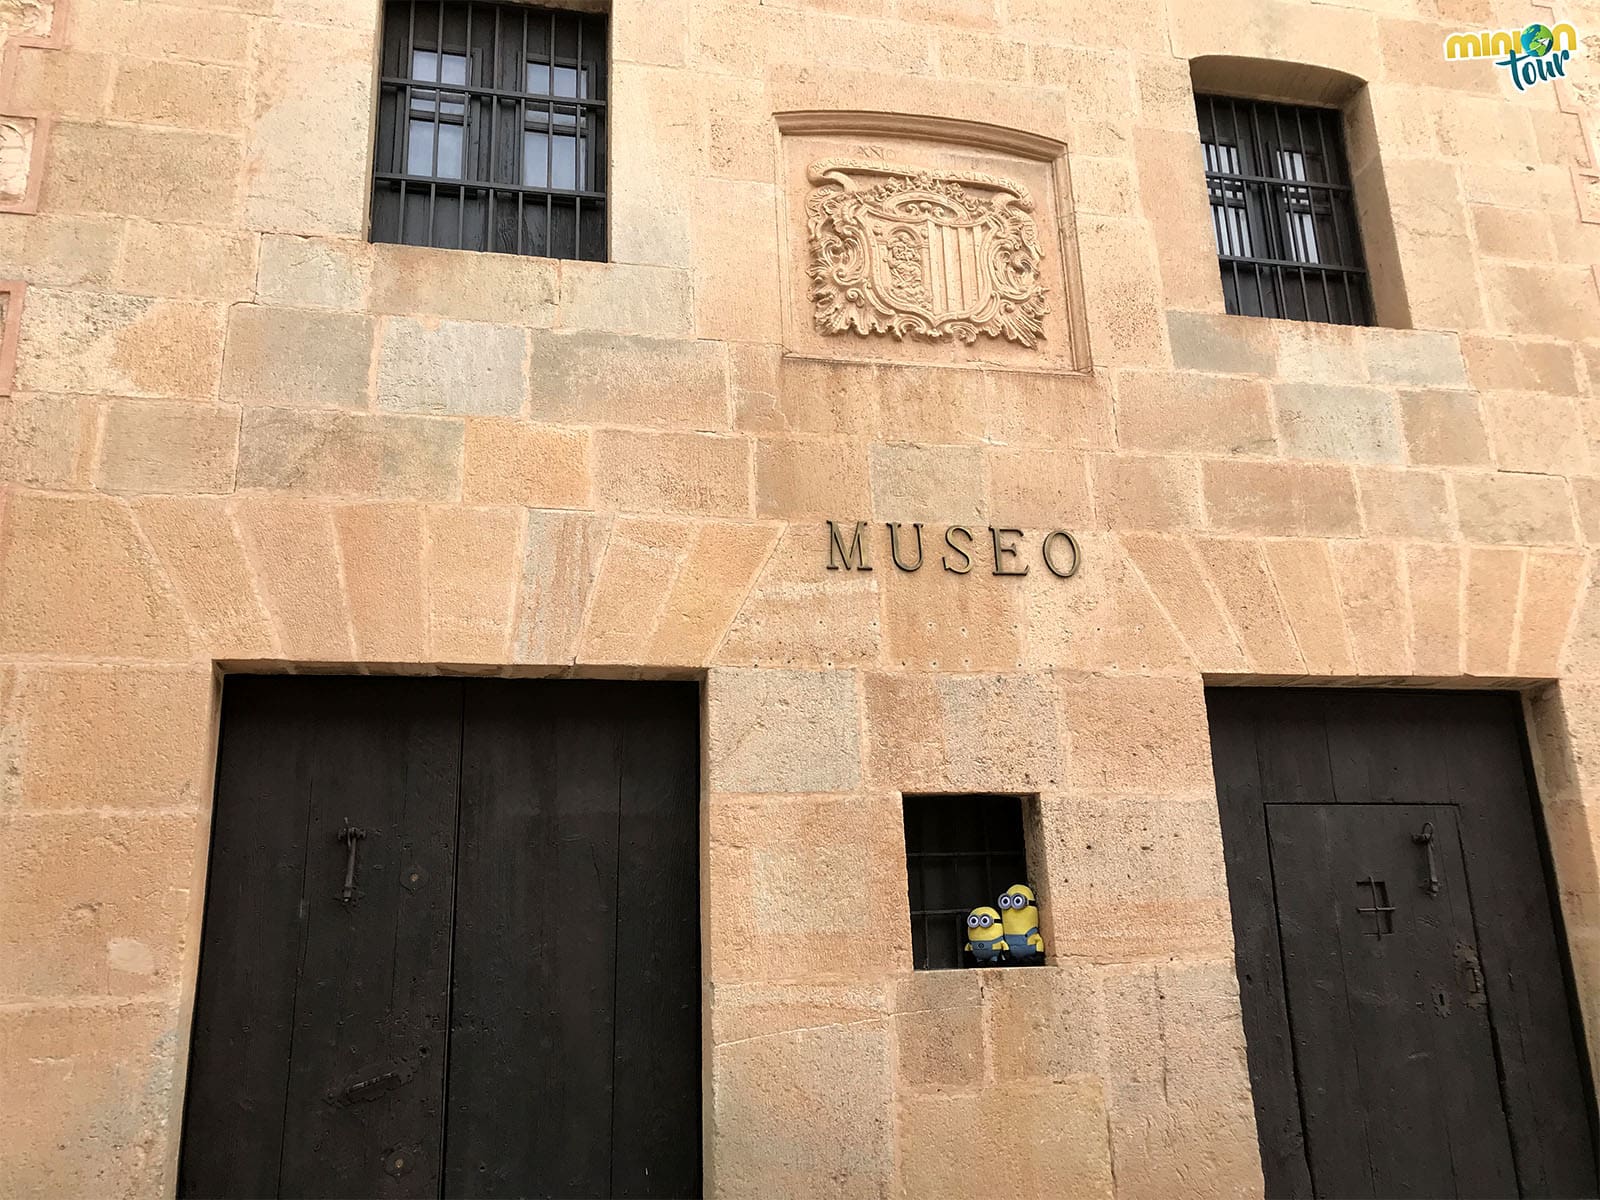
<point x="492" y="129"/>
<point x="962" y="853"/>
<point x="1283" y="211"/>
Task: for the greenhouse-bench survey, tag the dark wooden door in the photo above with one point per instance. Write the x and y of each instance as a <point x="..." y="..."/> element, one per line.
<point x="518" y="956"/>
<point x="1401" y="967"/>
<point x="574" y="1052"/>
<point x="1386" y="1002"/>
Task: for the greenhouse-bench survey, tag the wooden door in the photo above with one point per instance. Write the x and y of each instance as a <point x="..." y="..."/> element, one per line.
<point x="1386" y="1004"/>
<point x="507" y="1001"/>
<point x="319" y="1046"/>
<point x="1401" y="966"/>
<point x="575" y="1047"/>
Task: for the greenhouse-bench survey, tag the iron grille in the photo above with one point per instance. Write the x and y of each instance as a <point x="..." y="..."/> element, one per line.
<point x="1283" y="211"/>
<point x="961" y="852"/>
<point x="492" y="129"/>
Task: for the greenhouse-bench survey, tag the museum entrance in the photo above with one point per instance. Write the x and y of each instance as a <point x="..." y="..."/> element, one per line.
<point x="451" y="942"/>
<point x="1402" y="970"/>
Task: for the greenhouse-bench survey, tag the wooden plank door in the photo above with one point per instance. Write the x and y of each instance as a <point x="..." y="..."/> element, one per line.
<point x="318" y="1054"/>
<point x="1302" y="768"/>
<point x="1386" y="1003"/>
<point x="575" y="1041"/>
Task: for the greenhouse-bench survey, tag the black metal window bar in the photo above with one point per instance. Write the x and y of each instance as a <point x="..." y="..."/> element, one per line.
<point x="962" y="852"/>
<point x="492" y="129"/>
<point x="1283" y="211"/>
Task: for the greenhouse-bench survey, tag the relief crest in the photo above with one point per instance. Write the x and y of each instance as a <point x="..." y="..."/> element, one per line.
<point x="920" y="253"/>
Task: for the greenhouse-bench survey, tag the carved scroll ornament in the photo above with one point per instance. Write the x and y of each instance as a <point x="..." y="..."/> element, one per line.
<point x="928" y="254"/>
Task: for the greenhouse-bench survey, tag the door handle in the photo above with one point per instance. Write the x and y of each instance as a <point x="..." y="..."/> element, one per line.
<point x="350" y="835"/>
<point x="1425" y="840"/>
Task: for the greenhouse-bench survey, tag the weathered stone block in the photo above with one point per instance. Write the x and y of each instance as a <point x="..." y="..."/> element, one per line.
<point x="938" y="1030"/>
<point x="1055" y="1141"/>
<point x="451" y="367"/>
<point x="1502" y="507"/>
<point x="1415" y="358"/>
<point x="811" y="478"/>
<point x="511" y="289"/>
<point x="716" y="576"/>
<point x="77" y="582"/>
<point x="1046" y="1022"/>
<point x="1537" y="433"/>
<point x="1433" y="580"/>
<point x="1173" y="571"/>
<point x="161" y="175"/>
<point x="1303" y="572"/>
<point x="628" y="380"/>
<point x="1133" y="733"/>
<point x="1193" y="414"/>
<point x="1443" y="428"/>
<point x="187" y="261"/>
<point x="311" y="96"/>
<point x="1493" y="589"/>
<point x="291" y="548"/>
<point x="115" y="738"/>
<point x="1520" y="365"/>
<point x="313" y="272"/>
<point x="167" y="446"/>
<point x="381" y="549"/>
<point x="470" y="566"/>
<point x="107" y="919"/>
<point x="1408" y="504"/>
<point x="199" y="546"/>
<point x="350" y="454"/>
<point x="913" y="483"/>
<point x="1312" y="352"/>
<point x="1145" y="493"/>
<point x="1541" y="301"/>
<point x="673" y="472"/>
<point x="783" y="731"/>
<point x="640" y="562"/>
<point x="1351" y="424"/>
<point x="1281" y="498"/>
<point x="561" y="559"/>
<point x="1238" y="570"/>
<point x="1229" y="345"/>
<point x="510" y="462"/>
<point x="47" y="441"/>
<point x="186" y="94"/>
<point x="299" y="357"/>
<point x="1046" y="489"/>
<point x="802" y="1113"/>
<point x="121" y="345"/>
<point x="623" y="298"/>
<point x="790" y="620"/>
<point x="66" y="1061"/>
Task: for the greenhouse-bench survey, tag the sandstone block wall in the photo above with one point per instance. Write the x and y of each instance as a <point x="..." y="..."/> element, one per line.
<point x="237" y="436"/>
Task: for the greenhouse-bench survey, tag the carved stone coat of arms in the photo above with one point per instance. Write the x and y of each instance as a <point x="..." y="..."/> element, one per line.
<point x="928" y="254"/>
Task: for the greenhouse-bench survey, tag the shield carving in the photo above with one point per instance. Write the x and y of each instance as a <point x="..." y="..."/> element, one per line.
<point x="925" y="254"/>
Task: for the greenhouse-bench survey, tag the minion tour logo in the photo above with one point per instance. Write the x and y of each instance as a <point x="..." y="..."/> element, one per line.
<point x="1536" y="53"/>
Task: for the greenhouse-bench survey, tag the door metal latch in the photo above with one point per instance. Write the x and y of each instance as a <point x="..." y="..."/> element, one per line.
<point x="350" y="835"/>
<point x="1425" y="840"/>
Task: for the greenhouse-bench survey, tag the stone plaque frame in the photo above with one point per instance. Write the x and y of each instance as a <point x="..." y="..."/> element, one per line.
<point x="1014" y="186"/>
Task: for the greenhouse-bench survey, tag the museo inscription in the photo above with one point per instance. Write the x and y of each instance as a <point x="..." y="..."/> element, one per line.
<point x="850" y="549"/>
<point x="926" y="254"/>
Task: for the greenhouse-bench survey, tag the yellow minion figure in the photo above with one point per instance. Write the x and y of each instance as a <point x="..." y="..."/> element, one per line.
<point x="1019" y="922"/>
<point x="984" y="938"/>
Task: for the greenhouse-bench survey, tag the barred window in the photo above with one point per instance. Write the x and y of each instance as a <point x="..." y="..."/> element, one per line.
<point x="1283" y="211"/>
<point x="962" y="852"/>
<point x="492" y="129"/>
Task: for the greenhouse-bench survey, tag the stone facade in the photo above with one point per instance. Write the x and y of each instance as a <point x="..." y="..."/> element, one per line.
<point x="238" y="436"/>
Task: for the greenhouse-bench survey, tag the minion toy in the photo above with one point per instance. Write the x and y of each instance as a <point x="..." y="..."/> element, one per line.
<point x="984" y="938"/>
<point x="1019" y="922"/>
